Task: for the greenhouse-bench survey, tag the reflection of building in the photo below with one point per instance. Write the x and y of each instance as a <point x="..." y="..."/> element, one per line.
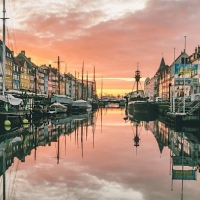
<point x="188" y="146"/>
<point x="41" y="133"/>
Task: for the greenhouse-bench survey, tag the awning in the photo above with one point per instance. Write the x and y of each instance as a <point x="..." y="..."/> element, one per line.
<point x="13" y="100"/>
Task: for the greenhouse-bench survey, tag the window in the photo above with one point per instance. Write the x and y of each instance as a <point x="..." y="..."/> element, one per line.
<point x="182" y="61"/>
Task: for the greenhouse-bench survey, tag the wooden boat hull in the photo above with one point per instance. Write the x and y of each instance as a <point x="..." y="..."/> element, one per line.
<point x="142" y="107"/>
<point x="137" y="116"/>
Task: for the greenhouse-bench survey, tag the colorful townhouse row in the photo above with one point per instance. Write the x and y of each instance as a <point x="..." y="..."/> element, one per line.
<point x="180" y="79"/>
<point x="22" y="75"/>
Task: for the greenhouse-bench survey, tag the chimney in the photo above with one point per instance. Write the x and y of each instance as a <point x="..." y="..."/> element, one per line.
<point x="29" y="59"/>
<point x="23" y="53"/>
<point x="198" y="49"/>
<point x="12" y="52"/>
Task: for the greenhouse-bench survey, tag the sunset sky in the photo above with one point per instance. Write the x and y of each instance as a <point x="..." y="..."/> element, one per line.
<point x="111" y="35"/>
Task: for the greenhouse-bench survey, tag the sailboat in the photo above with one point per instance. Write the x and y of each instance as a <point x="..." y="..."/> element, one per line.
<point x="59" y="103"/>
<point x="63" y="99"/>
<point x="81" y="105"/>
<point x="94" y="100"/>
<point x="11" y="108"/>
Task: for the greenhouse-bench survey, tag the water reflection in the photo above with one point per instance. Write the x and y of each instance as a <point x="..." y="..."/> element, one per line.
<point x="184" y="146"/>
<point x="106" y="154"/>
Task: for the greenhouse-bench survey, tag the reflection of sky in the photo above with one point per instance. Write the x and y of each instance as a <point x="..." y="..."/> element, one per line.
<point x="110" y="170"/>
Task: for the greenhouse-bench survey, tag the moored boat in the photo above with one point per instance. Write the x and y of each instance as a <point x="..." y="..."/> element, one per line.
<point x="12" y="109"/>
<point x="62" y="99"/>
<point x="137" y="101"/>
<point x="56" y="108"/>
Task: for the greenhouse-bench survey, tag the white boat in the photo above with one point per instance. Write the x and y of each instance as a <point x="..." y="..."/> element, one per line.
<point x="56" y="108"/>
<point x="12" y="109"/>
<point x="63" y="99"/>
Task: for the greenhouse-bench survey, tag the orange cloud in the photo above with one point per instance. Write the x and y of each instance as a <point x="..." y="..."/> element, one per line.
<point x="114" y="45"/>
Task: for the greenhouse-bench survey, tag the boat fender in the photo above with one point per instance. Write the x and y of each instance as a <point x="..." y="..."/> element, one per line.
<point x="25" y="121"/>
<point x="7" y="128"/>
<point x="7" y="123"/>
<point x="25" y="125"/>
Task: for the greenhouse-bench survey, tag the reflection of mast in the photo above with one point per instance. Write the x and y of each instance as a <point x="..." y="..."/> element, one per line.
<point x="181" y="159"/>
<point x="4" y="175"/>
<point x="87" y="127"/>
<point x="58" y="150"/>
<point x="35" y="142"/>
<point x="82" y="137"/>
<point x="101" y="118"/>
<point x="94" y="118"/>
<point x="77" y="133"/>
<point x="65" y="144"/>
<point x="136" y="138"/>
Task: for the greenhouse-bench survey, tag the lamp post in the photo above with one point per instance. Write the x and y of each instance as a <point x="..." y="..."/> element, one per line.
<point x="170" y="91"/>
<point x="4" y="49"/>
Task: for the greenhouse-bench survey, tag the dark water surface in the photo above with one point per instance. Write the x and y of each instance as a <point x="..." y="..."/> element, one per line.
<point x="98" y="160"/>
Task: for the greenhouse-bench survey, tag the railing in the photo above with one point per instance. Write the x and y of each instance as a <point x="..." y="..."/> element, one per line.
<point x="194" y="108"/>
<point x="190" y="107"/>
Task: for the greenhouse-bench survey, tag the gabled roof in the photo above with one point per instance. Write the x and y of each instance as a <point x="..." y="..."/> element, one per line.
<point x="19" y="62"/>
<point x="162" y="66"/>
<point x="7" y="50"/>
<point x="182" y="53"/>
<point x="54" y="70"/>
<point x="21" y="57"/>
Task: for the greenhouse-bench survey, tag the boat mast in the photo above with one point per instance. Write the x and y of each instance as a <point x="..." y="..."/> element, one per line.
<point x="101" y="87"/>
<point x="137" y="78"/>
<point x="4" y="50"/>
<point x="65" y="80"/>
<point x="35" y="79"/>
<point x="94" y="87"/>
<point x="82" y="80"/>
<point x="87" y="85"/>
<point x="58" y="75"/>
<point x="3" y="92"/>
<point x="58" y="72"/>
<point x="75" y="87"/>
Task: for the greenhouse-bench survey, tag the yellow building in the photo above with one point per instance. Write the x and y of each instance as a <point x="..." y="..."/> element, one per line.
<point x="9" y="70"/>
<point x="24" y="78"/>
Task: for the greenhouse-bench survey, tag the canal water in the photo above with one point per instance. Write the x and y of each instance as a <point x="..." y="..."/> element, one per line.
<point x="101" y="156"/>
